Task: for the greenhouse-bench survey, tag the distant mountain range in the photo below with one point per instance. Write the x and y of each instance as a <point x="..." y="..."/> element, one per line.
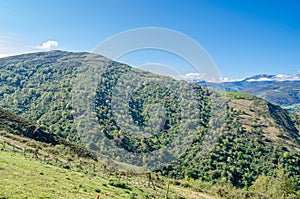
<point x="280" y="89"/>
<point x="272" y="78"/>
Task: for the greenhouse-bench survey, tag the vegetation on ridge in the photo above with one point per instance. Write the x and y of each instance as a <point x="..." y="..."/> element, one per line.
<point x="256" y="140"/>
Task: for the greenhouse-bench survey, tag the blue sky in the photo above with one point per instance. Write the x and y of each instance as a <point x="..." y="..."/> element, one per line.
<point x="243" y="37"/>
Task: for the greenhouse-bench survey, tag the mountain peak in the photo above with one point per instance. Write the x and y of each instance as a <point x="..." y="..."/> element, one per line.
<point x="278" y="77"/>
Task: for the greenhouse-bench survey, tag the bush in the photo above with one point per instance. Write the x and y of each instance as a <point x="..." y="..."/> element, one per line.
<point x="277" y="186"/>
<point x="119" y="184"/>
<point x="97" y="190"/>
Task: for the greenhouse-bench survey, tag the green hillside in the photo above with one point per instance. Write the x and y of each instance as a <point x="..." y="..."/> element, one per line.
<point x="21" y="127"/>
<point x="42" y="175"/>
<point x="29" y="178"/>
<point x="37" y="86"/>
<point x="38" y="164"/>
<point x="179" y="129"/>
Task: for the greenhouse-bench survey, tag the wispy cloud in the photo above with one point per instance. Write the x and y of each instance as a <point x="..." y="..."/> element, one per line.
<point x="13" y="44"/>
<point x="47" y="45"/>
<point x="188" y="76"/>
<point x="194" y="76"/>
<point x="201" y="77"/>
<point x="278" y="77"/>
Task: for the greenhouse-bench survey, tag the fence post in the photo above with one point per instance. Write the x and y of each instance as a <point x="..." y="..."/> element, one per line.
<point x="36" y="154"/>
<point x="149" y="179"/>
<point x="168" y="186"/>
<point x="152" y="182"/>
<point x="24" y="152"/>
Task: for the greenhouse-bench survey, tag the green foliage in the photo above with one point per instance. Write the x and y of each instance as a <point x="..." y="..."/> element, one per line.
<point x="138" y="108"/>
<point x="22" y="127"/>
<point x="261" y="184"/>
<point x="238" y="95"/>
<point x="280" y="185"/>
<point x="39" y="87"/>
<point x="119" y="184"/>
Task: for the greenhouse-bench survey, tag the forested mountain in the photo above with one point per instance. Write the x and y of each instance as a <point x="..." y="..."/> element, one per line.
<point x="178" y="128"/>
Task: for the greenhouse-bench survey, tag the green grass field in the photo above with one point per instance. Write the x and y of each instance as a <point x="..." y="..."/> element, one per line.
<point x="28" y="178"/>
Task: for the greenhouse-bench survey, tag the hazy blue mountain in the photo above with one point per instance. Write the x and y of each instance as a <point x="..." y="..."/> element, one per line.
<point x="281" y="89"/>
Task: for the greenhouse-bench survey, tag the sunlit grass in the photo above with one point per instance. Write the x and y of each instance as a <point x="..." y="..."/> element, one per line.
<point x="27" y="178"/>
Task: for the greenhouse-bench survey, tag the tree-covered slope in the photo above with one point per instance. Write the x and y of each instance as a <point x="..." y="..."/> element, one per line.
<point x="175" y="127"/>
<point x="38" y="86"/>
<point x="12" y="124"/>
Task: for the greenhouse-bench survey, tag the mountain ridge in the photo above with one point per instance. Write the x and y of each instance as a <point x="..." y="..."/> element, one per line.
<point x="41" y="87"/>
<point x="280" y="89"/>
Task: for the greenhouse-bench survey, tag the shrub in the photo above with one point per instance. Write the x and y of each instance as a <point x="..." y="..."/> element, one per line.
<point x="277" y="186"/>
<point x="119" y="184"/>
<point x="97" y="190"/>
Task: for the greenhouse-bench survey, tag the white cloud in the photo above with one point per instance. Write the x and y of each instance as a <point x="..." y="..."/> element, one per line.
<point x="194" y="76"/>
<point x="278" y="77"/>
<point x="223" y="79"/>
<point x="262" y="79"/>
<point x="188" y="76"/>
<point x="47" y="45"/>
